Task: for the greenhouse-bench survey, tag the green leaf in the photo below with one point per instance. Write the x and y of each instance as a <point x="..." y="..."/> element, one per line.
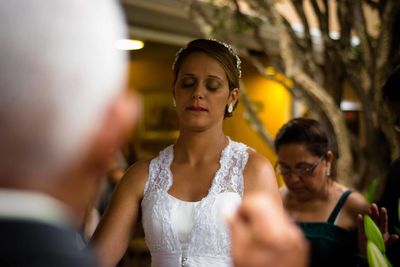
<point x="387" y="261"/>
<point x="373" y="233"/>
<point x="375" y="257"/>
<point x="371" y="191"/>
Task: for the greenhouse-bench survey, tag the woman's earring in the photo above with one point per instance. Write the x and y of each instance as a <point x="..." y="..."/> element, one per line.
<point x="230" y="108"/>
<point x="328" y="172"/>
<point x="173" y="102"/>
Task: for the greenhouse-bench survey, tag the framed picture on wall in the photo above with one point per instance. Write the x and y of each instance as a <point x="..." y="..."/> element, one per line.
<point x="159" y="121"/>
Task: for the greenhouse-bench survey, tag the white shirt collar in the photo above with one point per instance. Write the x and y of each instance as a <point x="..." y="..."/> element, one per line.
<point x="34" y="206"/>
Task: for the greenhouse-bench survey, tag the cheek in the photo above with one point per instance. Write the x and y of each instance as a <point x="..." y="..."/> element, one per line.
<point x="183" y="98"/>
<point x="181" y="93"/>
<point x="218" y="103"/>
<point x="313" y="181"/>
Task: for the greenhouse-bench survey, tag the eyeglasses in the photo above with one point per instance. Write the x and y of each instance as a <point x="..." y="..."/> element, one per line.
<point x="302" y="171"/>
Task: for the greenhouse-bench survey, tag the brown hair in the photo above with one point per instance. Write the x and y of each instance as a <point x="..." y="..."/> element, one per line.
<point x="307" y="132"/>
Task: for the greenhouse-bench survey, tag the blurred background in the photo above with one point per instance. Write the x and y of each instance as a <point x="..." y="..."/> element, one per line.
<point x="323" y="59"/>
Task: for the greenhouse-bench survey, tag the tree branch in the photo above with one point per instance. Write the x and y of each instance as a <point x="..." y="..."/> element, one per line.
<point x="372" y="4"/>
<point x="323" y="20"/>
<point x="360" y="25"/>
<point x="255" y="27"/>
<point x="206" y="25"/>
<point x="298" y="5"/>
<point x="257" y="125"/>
<point x="385" y="35"/>
<point x="296" y="40"/>
<point x="343" y="14"/>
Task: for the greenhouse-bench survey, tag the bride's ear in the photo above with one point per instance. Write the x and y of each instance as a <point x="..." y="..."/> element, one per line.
<point x="234" y="96"/>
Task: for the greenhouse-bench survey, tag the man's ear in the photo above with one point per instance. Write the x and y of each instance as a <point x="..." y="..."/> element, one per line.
<point x="118" y="121"/>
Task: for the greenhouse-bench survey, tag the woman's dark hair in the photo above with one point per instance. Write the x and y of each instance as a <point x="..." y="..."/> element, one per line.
<point x="391" y="88"/>
<point x="222" y="52"/>
<point x="308" y="132"/>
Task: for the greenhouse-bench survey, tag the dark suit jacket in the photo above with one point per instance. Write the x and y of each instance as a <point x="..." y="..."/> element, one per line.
<point x="30" y="243"/>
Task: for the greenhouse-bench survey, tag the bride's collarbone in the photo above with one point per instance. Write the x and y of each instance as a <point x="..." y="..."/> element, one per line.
<point x="203" y="171"/>
<point x="191" y="187"/>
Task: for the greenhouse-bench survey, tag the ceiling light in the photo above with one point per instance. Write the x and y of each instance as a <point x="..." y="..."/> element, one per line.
<point x="127" y="44"/>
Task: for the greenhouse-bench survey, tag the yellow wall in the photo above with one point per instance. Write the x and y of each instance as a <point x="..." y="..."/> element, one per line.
<point x="150" y="75"/>
<point x="276" y="102"/>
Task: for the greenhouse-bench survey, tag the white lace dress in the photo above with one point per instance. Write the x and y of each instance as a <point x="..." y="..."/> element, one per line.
<point x="206" y="241"/>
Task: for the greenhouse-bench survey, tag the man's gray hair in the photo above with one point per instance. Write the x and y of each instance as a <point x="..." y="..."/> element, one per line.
<point x="59" y="71"/>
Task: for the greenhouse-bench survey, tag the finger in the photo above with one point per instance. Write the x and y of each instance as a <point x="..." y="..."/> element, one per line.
<point x="360" y="223"/>
<point x="374" y="213"/>
<point x="383" y="221"/>
<point x="361" y="234"/>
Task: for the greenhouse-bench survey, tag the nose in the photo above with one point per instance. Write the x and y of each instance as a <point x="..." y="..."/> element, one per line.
<point x="198" y="93"/>
<point x="196" y="96"/>
<point x="293" y="176"/>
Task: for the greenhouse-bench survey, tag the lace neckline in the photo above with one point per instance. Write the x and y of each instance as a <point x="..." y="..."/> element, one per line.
<point x="183" y="201"/>
<point x="222" y="159"/>
<point x="208" y="236"/>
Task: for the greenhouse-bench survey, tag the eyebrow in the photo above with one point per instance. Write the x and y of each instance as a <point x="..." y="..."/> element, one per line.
<point x="303" y="163"/>
<point x="296" y="165"/>
<point x="188" y="74"/>
<point x="216" y="77"/>
<point x="208" y="76"/>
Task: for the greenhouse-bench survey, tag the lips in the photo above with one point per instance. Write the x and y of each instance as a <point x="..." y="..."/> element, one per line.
<point x="198" y="109"/>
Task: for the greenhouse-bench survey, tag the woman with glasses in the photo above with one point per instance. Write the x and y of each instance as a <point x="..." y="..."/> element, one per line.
<point x="325" y="210"/>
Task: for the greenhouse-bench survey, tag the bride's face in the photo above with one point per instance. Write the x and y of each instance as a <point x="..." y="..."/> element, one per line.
<point x="202" y="92"/>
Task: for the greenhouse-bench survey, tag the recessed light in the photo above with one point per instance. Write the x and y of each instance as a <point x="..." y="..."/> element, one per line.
<point x="128" y="44"/>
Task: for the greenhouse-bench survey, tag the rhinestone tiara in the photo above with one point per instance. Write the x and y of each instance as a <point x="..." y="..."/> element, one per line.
<point x="227" y="46"/>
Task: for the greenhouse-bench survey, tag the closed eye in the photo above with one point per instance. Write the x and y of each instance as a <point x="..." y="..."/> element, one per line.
<point x="213" y="85"/>
<point x="187" y="82"/>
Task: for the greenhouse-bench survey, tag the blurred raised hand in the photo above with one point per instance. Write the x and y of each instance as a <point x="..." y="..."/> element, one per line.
<point x="262" y="235"/>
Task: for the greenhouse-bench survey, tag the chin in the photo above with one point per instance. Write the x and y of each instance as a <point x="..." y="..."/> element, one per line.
<point x="195" y="125"/>
<point x="197" y="128"/>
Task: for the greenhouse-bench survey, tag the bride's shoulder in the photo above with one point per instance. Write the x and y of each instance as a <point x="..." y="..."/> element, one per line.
<point x="135" y="177"/>
<point x="258" y="161"/>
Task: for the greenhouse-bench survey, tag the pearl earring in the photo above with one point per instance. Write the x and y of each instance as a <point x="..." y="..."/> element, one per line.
<point x="173" y="102"/>
<point x="328" y="172"/>
<point x="230" y="108"/>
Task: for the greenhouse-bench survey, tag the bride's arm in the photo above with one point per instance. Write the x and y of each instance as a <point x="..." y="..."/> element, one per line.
<point x="115" y="230"/>
<point x="259" y="176"/>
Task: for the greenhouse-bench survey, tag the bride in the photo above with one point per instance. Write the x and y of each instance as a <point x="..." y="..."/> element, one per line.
<point x="187" y="191"/>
